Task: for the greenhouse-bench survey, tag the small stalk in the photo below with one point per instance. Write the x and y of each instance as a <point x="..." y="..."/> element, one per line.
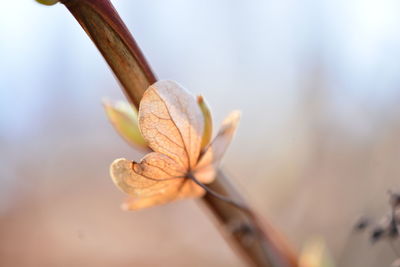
<point x="258" y="242"/>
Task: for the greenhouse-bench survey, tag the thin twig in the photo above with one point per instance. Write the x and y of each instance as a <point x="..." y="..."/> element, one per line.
<point x="229" y="200"/>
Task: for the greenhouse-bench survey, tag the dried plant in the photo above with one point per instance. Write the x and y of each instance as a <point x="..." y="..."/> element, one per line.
<point x="173" y="126"/>
<point x="387" y="228"/>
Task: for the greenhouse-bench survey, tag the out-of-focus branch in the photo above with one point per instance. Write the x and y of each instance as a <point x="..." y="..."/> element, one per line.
<point x="257" y="241"/>
<point x="104" y="26"/>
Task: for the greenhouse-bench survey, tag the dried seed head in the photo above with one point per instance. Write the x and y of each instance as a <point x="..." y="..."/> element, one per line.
<point x="385" y="229"/>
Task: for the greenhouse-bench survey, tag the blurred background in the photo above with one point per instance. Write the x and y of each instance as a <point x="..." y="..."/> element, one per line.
<point x="318" y="146"/>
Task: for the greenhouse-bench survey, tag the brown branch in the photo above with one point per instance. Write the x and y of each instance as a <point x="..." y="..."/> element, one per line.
<point x="257" y="241"/>
<point x="104" y="26"/>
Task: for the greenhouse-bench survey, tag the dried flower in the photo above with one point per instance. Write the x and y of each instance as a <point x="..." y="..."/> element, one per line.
<point x="173" y="125"/>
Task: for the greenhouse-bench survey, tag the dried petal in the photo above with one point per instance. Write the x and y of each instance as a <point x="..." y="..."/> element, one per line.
<point x="188" y="189"/>
<point x="153" y="181"/>
<point x="171" y="122"/>
<point x="205" y="169"/>
<point x="152" y="175"/>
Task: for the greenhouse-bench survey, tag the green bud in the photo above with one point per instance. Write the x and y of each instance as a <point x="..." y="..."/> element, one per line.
<point x="124" y="119"/>
<point x="48" y="2"/>
<point x="207" y="121"/>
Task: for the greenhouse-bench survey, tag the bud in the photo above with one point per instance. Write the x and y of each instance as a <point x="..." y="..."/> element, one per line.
<point x="123" y="117"/>
<point x="205" y="110"/>
<point x="48" y="2"/>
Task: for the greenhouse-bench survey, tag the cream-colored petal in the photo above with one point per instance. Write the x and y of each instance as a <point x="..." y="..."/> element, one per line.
<point x="209" y="160"/>
<point x="171" y="122"/>
<point x="187" y="189"/>
<point x="155" y="174"/>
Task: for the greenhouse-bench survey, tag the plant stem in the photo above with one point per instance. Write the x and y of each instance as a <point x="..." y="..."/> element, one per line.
<point x="257" y="241"/>
<point x="104" y="26"/>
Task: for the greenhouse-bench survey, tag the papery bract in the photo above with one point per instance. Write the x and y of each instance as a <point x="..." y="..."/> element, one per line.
<point x="172" y="124"/>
